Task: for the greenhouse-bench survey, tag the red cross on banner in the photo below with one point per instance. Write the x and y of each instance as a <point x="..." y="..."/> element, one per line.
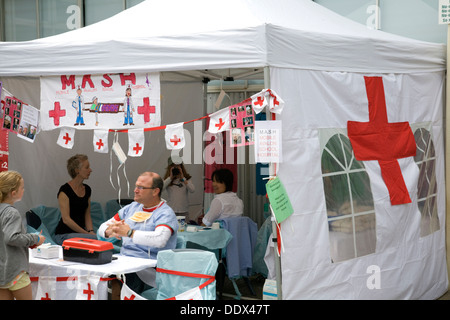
<point x="174" y="134"/>
<point x="136" y="142"/>
<point x="146" y="109"/>
<point x="66" y="138"/>
<point x="383" y="141"/>
<point x="57" y="113"/>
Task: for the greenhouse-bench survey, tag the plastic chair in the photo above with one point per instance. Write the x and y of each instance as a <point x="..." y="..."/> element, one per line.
<point x="239" y="252"/>
<point x="182" y="271"/>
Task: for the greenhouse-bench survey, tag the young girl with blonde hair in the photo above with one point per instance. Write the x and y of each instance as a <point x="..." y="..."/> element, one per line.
<point x="14" y="280"/>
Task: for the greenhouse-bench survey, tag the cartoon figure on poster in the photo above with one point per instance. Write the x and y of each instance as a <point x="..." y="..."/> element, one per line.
<point x="78" y="104"/>
<point x="100" y="101"/>
<point x="128" y="108"/>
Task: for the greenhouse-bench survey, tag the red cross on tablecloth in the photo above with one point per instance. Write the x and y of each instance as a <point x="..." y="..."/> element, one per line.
<point x="57" y="113"/>
<point x="146" y="109"/>
<point x="137" y="148"/>
<point x="67" y="138"/>
<point x="100" y="144"/>
<point x="383" y="141"/>
<point x="175" y="140"/>
<point x="89" y="292"/>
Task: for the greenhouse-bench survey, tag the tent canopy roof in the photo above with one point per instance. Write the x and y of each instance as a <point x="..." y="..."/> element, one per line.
<point x="179" y="35"/>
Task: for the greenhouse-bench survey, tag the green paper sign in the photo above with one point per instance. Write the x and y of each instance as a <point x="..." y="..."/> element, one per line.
<point x="279" y="200"/>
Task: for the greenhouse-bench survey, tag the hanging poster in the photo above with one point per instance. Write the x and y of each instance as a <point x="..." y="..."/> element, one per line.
<point x="108" y="101"/>
<point x="242" y="121"/>
<point x="12" y="112"/>
<point x="268" y="146"/>
<point x="28" y="123"/>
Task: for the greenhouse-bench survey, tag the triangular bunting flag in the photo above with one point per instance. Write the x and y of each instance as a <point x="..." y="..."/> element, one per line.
<point x="66" y="138"/>
<point x="87" y="287"/>
<point x="192" y="294"/>
<point x="276" y="104"/>
<point x="127" y="294"/>
<point x="260" y="101"/>
<point x="219" y="121"/>
<point x="175" y="136"/>
<point x="136" y="141"/>
<point x="101" y="141"/>
<point x="46" y="288"/>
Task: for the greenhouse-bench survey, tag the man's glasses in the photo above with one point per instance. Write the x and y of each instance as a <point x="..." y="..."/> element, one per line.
<point x="142" y="188"/>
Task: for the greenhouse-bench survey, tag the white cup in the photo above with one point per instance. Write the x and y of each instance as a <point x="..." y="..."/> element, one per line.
<point x="216" y="225"/>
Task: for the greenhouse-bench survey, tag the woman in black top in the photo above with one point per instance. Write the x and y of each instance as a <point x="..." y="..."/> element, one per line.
<point x="74" y="199"/>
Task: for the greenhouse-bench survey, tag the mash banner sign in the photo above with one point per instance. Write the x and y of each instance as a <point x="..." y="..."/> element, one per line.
<point x="107" y="101"/>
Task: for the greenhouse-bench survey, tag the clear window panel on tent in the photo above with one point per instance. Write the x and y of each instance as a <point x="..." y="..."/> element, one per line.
<point x="427" y="188"/>
<point x="349" y="201"/>
<point x="20" y="20"/>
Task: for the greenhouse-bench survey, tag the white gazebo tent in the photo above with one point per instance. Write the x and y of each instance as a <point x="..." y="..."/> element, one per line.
<point x="316" y="61"/>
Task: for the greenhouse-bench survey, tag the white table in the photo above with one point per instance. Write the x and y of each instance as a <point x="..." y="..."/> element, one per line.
<point x="57" y="279"/>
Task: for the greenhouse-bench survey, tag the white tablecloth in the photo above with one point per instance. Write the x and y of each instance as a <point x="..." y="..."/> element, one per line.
<point x="57" y="279"/>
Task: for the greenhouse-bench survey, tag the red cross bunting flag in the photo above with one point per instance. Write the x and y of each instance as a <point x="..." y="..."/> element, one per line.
<point x="66" y="138"/>
<point x="136" y="141"/>
<point x="101" y="141"/>
<point x="174" y="134"/>
<point x="219" y="121"/>
<point x="46" y="288"/>
<point x="87" y="287"/>
<point x="127" y="294"/>
<point x="106" y="101"/>
<point x="268" y="98"/>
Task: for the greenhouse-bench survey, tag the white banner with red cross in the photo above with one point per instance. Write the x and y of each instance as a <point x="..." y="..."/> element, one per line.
<point x="107" y="101"/>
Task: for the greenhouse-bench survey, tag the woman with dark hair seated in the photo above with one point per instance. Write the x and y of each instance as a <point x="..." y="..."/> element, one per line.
<point x="225" y="203"/>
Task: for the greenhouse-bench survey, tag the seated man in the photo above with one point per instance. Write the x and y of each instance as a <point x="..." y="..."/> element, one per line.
<point x="146" y="226"/>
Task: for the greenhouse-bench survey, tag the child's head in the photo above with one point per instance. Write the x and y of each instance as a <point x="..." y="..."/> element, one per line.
<point x="9" y="181"/>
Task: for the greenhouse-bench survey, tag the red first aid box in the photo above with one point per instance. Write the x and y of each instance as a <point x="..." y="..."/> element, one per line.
<point x="87" y="251"/>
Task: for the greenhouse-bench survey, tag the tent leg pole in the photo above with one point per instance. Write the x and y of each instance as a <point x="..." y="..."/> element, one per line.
<point x="447" y="157"/>
<point x="272" y="173"/>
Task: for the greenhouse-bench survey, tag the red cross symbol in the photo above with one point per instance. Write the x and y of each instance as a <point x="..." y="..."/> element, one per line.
<point x="220" y="124"/>
<point x="259" y="102"/>
<point x="383" y="141"/>
<point x="46" y="297"/>
<point x="175" y="140"/>
<point x="57" y="113"/>
<point x="89" y="292"/>
<point x="100" y="144"/>
<point x="137" y="148"/>
<point x="67" y="138"/>
<point x="146" y="109"/>
<point x="132" y="297"/>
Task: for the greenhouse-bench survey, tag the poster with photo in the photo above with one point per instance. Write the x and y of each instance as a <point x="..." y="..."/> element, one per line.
<point x="242" y="124"/>
<point x="29" y="123"/>
<point x="12" y="112"/>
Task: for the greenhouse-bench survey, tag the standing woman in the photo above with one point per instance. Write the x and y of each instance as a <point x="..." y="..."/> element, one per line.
<point x="74" y="198"/>
<point x="178" y="184"/>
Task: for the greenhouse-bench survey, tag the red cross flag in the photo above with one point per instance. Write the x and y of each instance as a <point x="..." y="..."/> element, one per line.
<point x="46" y="288"/>
<point x="136" y="141"/>
<point x="175" y="136"/>
<point x="219" y="121"/>
<point x="100" y="141"/>
<point x="87" y="287"/>
<point x="66" y="138"/>
<point x="127" y="294"/>
<point x="266" y="98"/>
